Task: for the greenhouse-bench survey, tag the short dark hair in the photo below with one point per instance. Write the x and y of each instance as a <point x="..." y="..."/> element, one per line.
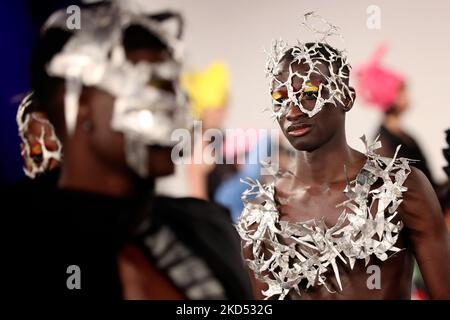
<point x="325" y="53"/>
<point x="49" y="44"/>
<point x="137" y="37"/>
<point x="53" y="41"/>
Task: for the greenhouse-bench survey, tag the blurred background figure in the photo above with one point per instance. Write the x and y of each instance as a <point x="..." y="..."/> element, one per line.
<point x="224" y="182"/>
<point x="386" y="90"/>
<point x="208" y="92"/>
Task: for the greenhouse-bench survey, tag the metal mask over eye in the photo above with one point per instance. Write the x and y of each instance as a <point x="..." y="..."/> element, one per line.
<point x="293" y="71"/>
<point x="36" y="155"/>
<point x="149" y="103"/>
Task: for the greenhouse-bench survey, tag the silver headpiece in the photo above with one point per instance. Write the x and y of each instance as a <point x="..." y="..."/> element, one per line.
<point x="95" y="56"/>
<point x="318" y="87"/>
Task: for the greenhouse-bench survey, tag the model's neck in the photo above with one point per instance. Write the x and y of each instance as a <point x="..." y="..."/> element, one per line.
<point x="84" y="172"/>
<point x="325" y="165"/>
<point x="392" y="122"/>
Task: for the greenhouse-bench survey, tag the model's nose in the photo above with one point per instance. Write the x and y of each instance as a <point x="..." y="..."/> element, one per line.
<point x="294" y="113"/>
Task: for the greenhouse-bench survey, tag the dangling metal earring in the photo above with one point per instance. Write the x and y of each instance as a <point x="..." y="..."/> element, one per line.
<point x="87" y="126"/>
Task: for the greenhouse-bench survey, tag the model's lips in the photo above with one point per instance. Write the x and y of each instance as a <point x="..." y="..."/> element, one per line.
<point x="298" y="130"/>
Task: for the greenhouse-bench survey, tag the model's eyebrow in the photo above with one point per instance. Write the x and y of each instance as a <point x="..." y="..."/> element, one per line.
<point x="282" y="75"/>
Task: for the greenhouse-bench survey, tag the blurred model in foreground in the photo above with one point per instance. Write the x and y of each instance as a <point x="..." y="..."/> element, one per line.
<point x="111" y="92"/>
<point x="343" y="224"/>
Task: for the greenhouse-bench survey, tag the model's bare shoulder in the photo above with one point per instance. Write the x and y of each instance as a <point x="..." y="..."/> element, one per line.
<point x="426" y="229"/>
<point x="420" y="208"/>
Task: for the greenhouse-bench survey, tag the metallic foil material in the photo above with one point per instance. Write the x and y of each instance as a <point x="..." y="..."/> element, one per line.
<point x="94" y="56"/>
<point x="333" y="85"/>
<point x="37" y="157"/>
<point x="291" y="257"/>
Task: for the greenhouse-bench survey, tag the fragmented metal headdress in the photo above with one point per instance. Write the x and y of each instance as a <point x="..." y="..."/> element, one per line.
<point x="324" y="76"/>
<point x="36" y="155"/>
<point x="95" y="56"/>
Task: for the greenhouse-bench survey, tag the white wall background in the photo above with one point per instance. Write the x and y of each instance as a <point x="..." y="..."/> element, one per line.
<point x="418" y="33"/>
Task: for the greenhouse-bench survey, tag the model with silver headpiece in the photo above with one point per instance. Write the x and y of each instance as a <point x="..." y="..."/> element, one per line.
<point x="111" y="91"/>
<point x="319" y="231"/>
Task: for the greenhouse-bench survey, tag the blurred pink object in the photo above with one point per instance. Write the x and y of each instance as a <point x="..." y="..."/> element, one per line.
<point x="377" y="85"/>
<point x="239" y="141"/>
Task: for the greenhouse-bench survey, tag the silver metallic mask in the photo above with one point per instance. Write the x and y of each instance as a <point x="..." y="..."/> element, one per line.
<point x="95" y="56"/>
<point x="313" y="95"/>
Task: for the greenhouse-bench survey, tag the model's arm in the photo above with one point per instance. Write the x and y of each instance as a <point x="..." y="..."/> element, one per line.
<point x="424" y="221"/>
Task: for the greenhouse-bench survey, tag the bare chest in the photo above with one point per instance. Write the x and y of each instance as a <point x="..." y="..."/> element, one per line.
<point x="307" y="203"/>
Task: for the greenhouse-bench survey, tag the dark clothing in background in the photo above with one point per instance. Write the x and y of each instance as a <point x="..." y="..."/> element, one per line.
<point x="47" y="229"/>
<point x="217" y="176"/>
<point x="409" y="149"/>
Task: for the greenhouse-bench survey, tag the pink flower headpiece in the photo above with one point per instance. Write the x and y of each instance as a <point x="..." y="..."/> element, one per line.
<point x="378" y="85"/>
